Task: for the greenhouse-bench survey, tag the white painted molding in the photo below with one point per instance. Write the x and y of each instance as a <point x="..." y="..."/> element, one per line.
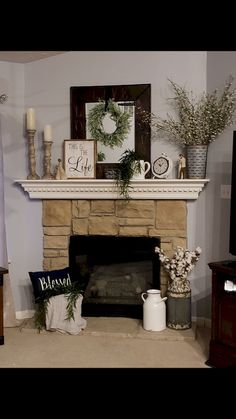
<point x="107" y="189"/>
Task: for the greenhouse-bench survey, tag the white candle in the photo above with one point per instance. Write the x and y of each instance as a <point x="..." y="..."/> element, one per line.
<point x="47" y="133"/>
<point x="30" y="120"/>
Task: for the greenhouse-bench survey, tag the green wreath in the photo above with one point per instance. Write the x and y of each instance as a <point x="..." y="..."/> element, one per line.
<point x="122" y="120"/>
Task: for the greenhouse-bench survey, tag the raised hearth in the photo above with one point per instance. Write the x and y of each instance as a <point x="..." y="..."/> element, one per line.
<point x="121" y="327"/>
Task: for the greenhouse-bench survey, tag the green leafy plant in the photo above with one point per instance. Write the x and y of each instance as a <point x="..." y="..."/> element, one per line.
<point x="71" y="292"/>
<point x="125" y="171"/>
<point x="101" y="156"/>
<point x="95" y="123"/>
<point x="199" y="120"/>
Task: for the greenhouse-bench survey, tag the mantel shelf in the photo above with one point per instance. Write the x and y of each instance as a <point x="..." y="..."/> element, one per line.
<point x="107" y="189"/>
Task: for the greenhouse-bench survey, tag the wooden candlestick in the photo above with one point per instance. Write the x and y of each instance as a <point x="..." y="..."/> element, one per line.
<point x="32" y="161"/>
<point x="47" y="160"/>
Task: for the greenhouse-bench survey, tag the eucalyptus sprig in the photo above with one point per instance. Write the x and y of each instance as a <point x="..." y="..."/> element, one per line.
<point x="129" y="163"/>
<point x="71" y="295"/>
<point x="71" y="292"/>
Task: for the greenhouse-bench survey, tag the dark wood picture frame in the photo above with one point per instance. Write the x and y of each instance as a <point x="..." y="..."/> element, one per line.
<point x="140" y="94"/>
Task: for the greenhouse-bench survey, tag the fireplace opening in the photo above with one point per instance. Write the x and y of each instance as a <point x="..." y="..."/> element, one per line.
<point x="113" y="272"/>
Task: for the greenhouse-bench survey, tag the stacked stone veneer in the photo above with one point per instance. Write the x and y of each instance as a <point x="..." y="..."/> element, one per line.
<point x="166" y="219"/>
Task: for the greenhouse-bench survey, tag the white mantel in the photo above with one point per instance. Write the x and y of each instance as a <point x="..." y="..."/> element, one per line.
<point x="107" y="189"/>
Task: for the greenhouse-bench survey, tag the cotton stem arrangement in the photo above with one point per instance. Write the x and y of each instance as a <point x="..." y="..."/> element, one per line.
<point x="181" y="264"/>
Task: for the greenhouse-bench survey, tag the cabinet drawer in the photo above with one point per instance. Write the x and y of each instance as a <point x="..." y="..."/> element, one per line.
<point x="227" y="319"/>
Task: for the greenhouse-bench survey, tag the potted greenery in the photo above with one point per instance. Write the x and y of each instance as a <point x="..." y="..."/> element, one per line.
<point x="198" y="123"/>
<point x="129" y="164"/>
<point x="101" y="156"/>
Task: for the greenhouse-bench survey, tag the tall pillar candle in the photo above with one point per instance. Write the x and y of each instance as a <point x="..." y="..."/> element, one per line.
<point x="47" y="133"/>
<point x="30" y="119"/>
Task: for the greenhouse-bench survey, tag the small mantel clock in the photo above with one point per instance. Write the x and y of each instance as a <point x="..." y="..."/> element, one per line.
<point x="162" y="166"/>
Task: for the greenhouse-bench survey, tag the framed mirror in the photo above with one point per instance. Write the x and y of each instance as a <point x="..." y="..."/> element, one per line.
<point x="134" y="98"/>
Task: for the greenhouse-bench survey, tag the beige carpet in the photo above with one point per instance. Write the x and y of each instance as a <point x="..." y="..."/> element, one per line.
<point x="105" y="343"/>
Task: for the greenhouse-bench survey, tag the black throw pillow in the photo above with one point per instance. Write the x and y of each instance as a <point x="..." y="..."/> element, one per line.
<point x="44" y="282"/>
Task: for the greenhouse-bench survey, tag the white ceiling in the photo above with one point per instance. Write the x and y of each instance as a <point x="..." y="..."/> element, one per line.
<point x="27" y="56"/>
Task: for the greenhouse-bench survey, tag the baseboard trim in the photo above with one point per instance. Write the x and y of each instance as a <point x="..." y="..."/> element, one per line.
<point x="25" y="314"/>
<point x="202" y="321"/>
<point x="208" y="323"/>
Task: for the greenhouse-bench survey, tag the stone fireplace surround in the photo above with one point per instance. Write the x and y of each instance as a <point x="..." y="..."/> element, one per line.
<point x="166" y="219"/>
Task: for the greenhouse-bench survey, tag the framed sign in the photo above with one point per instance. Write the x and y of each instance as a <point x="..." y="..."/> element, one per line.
<point x="80" y="159"/>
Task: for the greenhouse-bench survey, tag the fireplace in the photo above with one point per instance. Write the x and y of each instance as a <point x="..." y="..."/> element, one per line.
<point x="164" y="221"/>
<point x="113" y="272"/>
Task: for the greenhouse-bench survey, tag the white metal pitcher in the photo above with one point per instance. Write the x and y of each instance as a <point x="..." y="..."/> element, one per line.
<point x="154" y="311"/>
<point x="144" y="169"/>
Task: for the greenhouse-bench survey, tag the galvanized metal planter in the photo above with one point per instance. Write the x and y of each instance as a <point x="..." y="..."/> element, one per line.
<point x="196" y="161"/>
<point x="178" y="307"/>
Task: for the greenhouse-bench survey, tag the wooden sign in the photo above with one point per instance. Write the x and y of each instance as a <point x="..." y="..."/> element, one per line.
<point x="80" y="159"/>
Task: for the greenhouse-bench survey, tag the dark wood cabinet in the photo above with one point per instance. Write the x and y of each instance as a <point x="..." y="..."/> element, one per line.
<point x="222" y="351"/>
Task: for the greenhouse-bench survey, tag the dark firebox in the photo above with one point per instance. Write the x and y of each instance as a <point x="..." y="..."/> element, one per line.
<point x="113" y="272"/>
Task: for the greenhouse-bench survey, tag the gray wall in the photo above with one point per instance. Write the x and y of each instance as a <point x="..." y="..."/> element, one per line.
<point x="18" y="226"/>
<point x="45" y="86"/>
